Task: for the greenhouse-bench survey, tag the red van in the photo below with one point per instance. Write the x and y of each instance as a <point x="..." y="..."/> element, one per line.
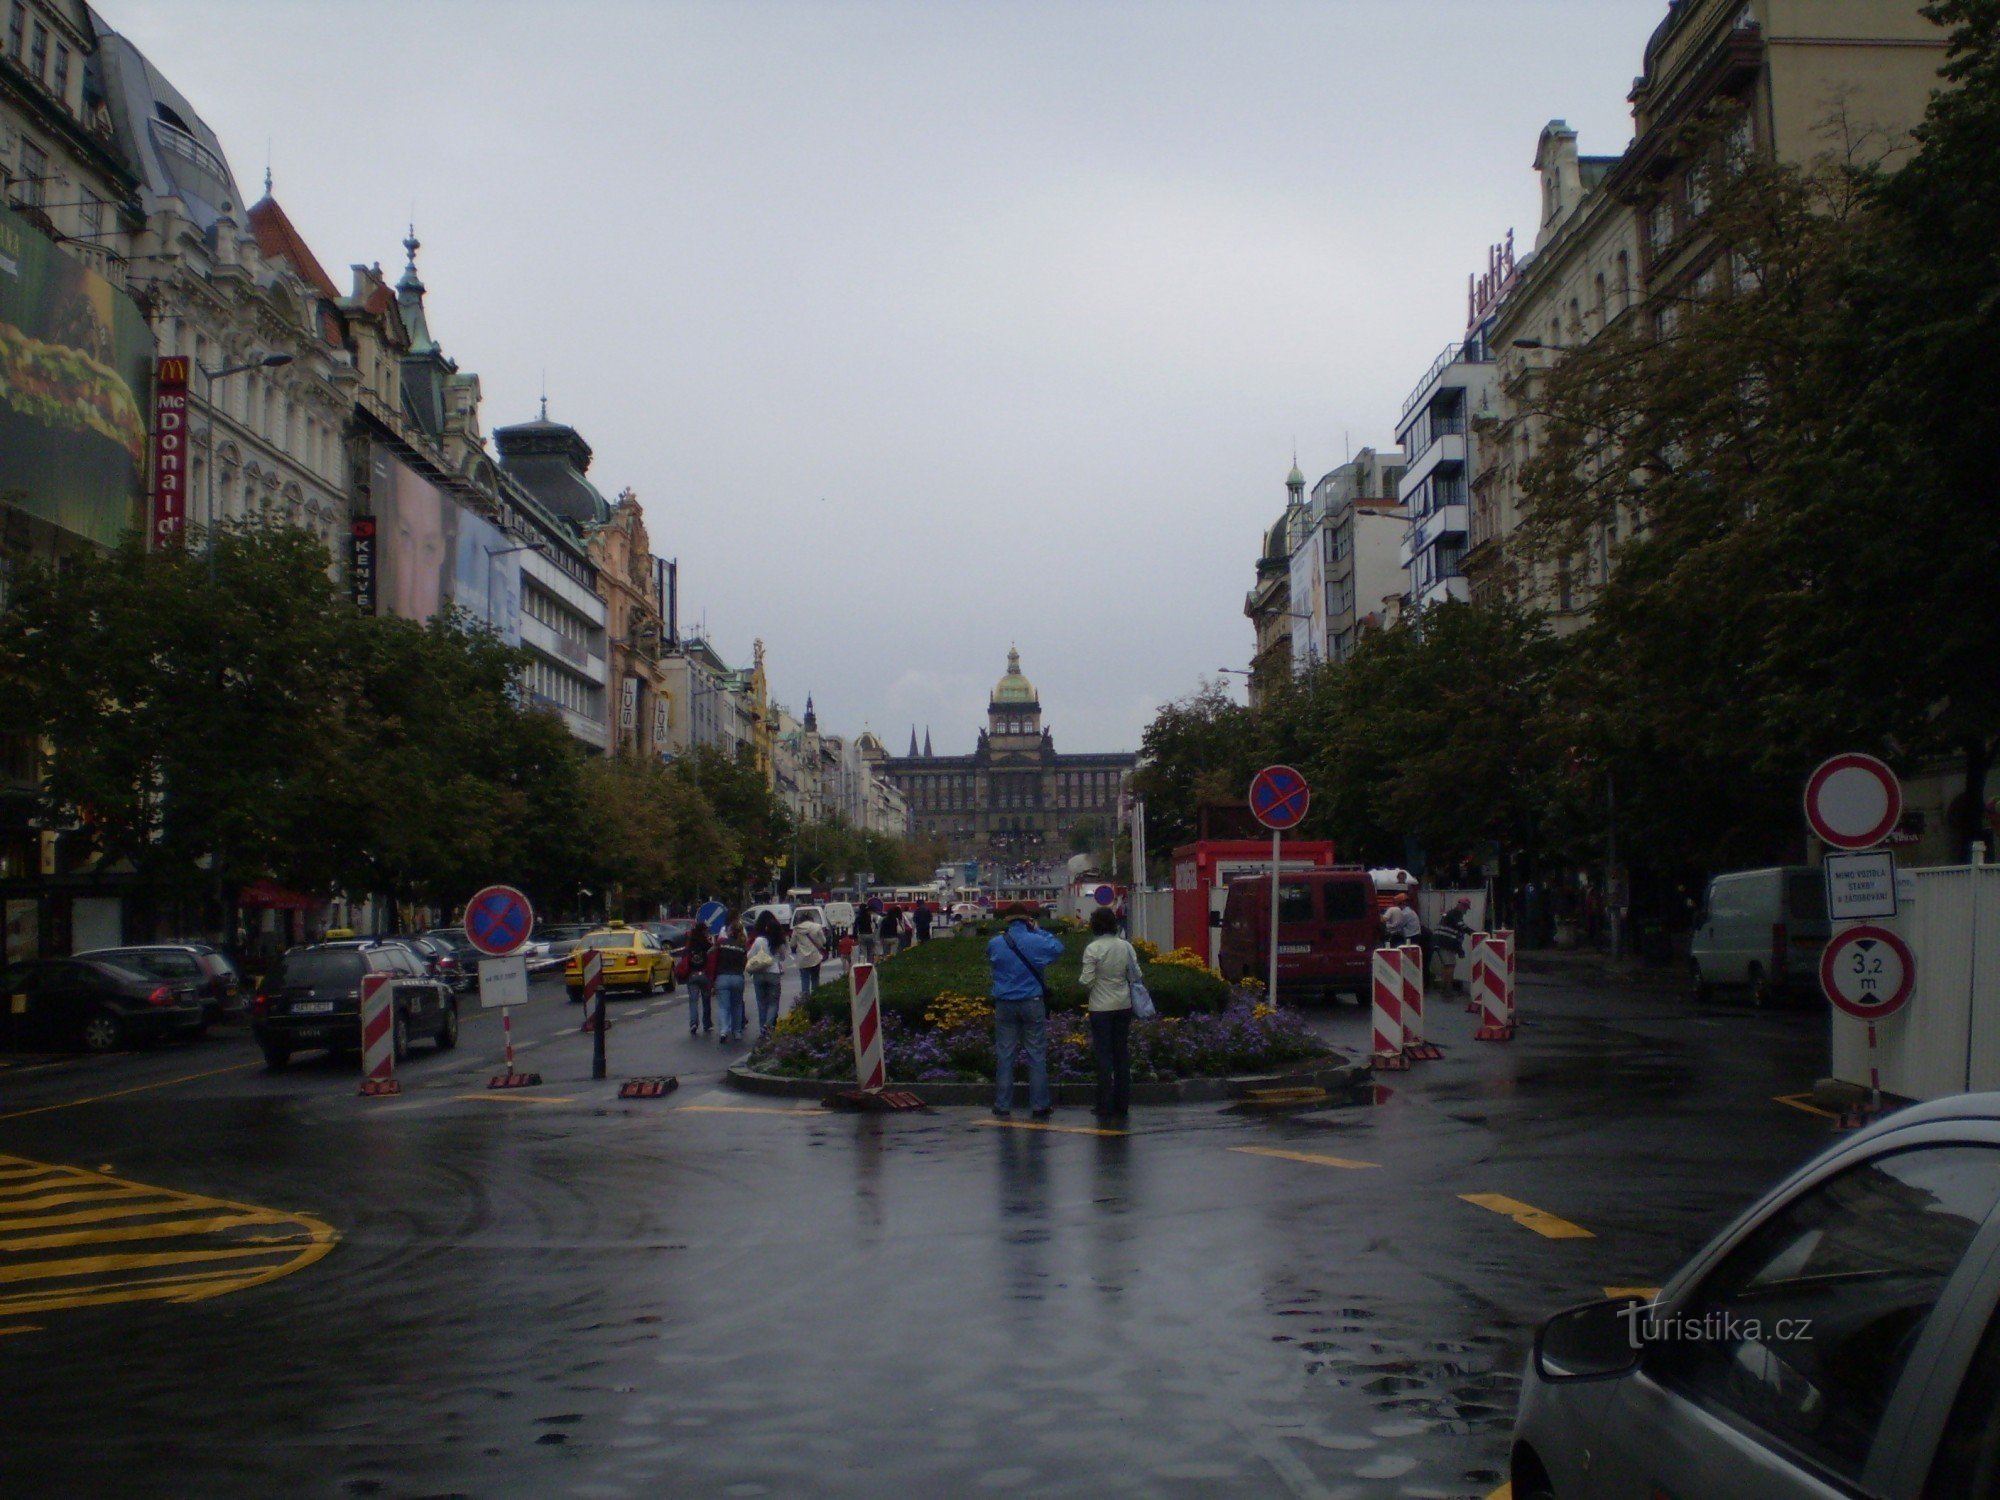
<point x="1328" y="926"/>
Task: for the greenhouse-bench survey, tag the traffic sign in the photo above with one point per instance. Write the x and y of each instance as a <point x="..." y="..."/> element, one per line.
<point x="1868" y="972"/>
<point x="1104" y="895"/>
<point x="1278" y="797"/>
<point x="503" y="981"/>
<point x="1859" y="886"/>
<point x="710" y="915"/>
<point x="498" y="920"/>
<point x="1853" y="801"/>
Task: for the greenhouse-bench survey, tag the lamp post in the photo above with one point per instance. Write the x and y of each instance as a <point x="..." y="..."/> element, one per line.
<point x="209" y="377"/>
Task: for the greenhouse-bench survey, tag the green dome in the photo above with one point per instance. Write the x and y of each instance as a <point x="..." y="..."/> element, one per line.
<point x="1013" y="688"/>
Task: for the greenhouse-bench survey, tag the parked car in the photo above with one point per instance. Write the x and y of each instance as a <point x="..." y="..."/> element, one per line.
<point x="466" y="957"/>
<point x="782" y="910"/>
<point x="312" y="998"/>
<point x="102" y="1004"/>
<point x="560" y="937"/>
<point x="1841" y="1338"/>
<point x="1761" y="932"/>
<point x="207" y="966"/>
<point x="631" y="961"/>
<point x="839" y="918"/>
<point x="438" y="960"/>
<point x="670" y="934"/>
<point x="1328" y="927"/>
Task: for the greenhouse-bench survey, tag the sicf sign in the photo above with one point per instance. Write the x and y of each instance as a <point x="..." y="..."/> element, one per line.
<point x="170" y="439"/>
<point x="1853" y="801"/>
<point x="1868" y="972"/>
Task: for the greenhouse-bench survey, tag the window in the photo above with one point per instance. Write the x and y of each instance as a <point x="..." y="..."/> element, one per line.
<point x="38" y="53"/>
<point x="1624" y="280"/>
<point x="17" y="22"/>
<point x="1697" y="189"/>
<point x="90" y="215"/>
<point x="1660" y="227"/>
<point x="61" y="80"/>
<point x="1599" y="298"/>
<point x="1815" y="1313"/>
<point x="34" y="175"/>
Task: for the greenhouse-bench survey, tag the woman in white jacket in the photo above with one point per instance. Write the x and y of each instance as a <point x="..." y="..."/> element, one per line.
<point x="765" y="965"/>
<point x="1110" y="964"/>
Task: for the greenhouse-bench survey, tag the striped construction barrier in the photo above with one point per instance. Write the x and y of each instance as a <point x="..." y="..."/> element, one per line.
<point x="1506" y="936"/>
<point x="864" y="985"/>
<point x="1387" y="976"/>
<point x="593" y="989"/>
<point x="378" y="1036"/>
<point x="1489" y="988"/>
<point x="1416" y="1045"/>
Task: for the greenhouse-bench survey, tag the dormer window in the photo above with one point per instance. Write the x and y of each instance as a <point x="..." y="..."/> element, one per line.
<point x="38" y="53"/>
<point x="61" y="80"/>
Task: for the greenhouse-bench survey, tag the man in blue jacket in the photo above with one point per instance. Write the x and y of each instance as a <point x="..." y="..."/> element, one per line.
<point x="1019" y="958"/>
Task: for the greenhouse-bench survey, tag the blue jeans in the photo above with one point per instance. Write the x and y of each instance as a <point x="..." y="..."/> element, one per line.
<point x="768" y="987"/>
<point x="1019" y="1023"/>
<point x="701" y="1003"/>
<point x="729" y="1002"/>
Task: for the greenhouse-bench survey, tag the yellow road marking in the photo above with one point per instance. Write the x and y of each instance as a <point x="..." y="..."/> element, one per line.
<point x="24" y="1328"/>
<point x="1306" y="1156"/>
<point x="1644" y="1293"/>
<point x="1505" y="1492"/>
<point x="515" y="1096"/>
<point x="1798" y="1101"/>
<point x="1039" y="1125"/>
<point x="164" y="1083"/>
<point x="193" y="1232"/>
<point x="1529" y="1217"/>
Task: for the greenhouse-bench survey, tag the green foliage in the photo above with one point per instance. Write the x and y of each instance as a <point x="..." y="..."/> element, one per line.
<point x="917" y="976"/>
<point x="758" y="826"/>
<point x="1202" y="748"/>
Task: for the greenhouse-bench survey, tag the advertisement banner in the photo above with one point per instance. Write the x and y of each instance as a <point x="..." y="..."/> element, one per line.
<point x="361" y="564"/>
<point x="75" y="359"/>
<point x="433" y="553"/>
<point x="628" y="711"/>
<point x="170" y="455"/>
<point x="662" y="727"/>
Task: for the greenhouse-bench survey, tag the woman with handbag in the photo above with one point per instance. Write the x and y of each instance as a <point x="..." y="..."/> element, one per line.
<point x="692" y="969"/>
<point x="765" y="964"/>
<point x="732" y="952"/>
<point x="1117" y="991"/>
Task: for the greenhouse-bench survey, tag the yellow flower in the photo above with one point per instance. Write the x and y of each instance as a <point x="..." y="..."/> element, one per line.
<point x="794" y="1022"/>
<point x="950" y="1010"/>
<point x="1146" y="950"/>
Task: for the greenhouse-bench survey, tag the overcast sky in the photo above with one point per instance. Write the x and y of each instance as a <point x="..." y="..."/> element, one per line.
<point x="924" y="329"/>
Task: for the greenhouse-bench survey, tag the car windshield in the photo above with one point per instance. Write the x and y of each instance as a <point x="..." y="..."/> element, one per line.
<point x="609" y="940"/>
<point x="167" y="963"/>
<point x="342" y="967"/>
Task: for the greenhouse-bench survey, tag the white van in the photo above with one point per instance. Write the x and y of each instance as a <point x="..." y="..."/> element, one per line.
<point x="838" y="919"/>
<point x="1762" y="931"/>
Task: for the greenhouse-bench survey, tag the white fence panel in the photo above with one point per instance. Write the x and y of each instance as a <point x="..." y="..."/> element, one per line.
<point x="1150" y="915"/>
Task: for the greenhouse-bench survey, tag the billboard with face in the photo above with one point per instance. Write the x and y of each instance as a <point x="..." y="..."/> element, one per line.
<point x="431" y="552"/>
<point x="75" y="362"/>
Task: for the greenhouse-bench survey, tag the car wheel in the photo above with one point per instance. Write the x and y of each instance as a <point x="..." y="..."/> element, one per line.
<point x="447" y="1034"/>
<point x="276" y="1058"/>
<point x="1760" y="987"/>
<point x="401" y="1029"/>
<point x="102" y="1031"/>
<point x="1701" y="989"/>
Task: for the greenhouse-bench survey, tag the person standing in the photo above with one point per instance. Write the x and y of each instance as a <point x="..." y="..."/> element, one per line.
<point x="1019" y="957"/>
<point x="765" y="964"/>
<point x="732" y="951"/>
<point x="888" y="931"/>
<point x="1110" y="964"/>
<point x="864" y="931"/>
<point x="809" y="949"/>
<point x="1449" y="940"/>
<point x="700" y="982"/>
<point x="920" y="919"/>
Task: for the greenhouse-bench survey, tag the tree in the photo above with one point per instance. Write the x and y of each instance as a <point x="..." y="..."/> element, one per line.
<point x="759" y="826"/>
<point x="654" y="834"/>
<point x="1198" y="749"/>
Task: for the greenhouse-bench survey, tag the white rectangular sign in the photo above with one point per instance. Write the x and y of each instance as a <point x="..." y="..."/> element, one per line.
<point x="1860" y="885"/>
<point x="503" y="981"/>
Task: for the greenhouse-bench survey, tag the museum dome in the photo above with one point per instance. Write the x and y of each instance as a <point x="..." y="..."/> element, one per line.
<point x="1013" y="688"/>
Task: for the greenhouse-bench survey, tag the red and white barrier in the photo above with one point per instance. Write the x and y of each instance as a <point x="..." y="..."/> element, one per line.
<point x="1416" y="1045"/>
<point x="1489" y="988"/>
<point x="1506" y="936"/>
<point x="864" y="988"/>
<point x="593" y="989"/>
<point x="1387" y="978"/>
<point x="378" y="1036"/>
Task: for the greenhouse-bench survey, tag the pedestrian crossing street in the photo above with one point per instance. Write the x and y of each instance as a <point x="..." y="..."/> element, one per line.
<point x="75" y="1238"/>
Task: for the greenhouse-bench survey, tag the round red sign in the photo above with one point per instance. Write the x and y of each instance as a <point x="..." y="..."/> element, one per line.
<point x="1278" y="797"/>
<point x="1853" y="801"/>
<point x="1868" y="972"/>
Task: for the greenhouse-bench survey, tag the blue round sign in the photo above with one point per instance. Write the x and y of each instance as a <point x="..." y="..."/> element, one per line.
<point x="1278" y="797"/>
<point x="1105" y="895"/>
<point x="498" y="920"/>
<point x="710" y="914"/>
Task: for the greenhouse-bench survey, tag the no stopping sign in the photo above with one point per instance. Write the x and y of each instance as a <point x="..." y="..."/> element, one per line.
<point x="1868" y="972"/>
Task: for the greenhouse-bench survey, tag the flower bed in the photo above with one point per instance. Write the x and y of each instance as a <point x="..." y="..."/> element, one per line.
<point x="954" y="1042"/>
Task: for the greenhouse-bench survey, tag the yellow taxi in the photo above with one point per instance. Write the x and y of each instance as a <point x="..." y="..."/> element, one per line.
<point x="632" y="961"/>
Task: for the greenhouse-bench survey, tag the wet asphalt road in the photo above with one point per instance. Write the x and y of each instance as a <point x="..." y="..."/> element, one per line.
<point x="557" y="1293"/>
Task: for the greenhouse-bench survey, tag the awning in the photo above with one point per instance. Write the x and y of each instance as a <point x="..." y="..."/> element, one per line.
<point x="275" y="897"/>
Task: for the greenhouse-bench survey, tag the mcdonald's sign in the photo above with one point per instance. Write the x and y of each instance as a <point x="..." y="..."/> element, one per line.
<point x="170" y="455"/>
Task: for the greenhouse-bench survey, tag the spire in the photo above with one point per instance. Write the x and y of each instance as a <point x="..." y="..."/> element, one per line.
<point x="410" y="297"/>
<point x="927" y="742"/>
<point x="913" y="742"/>
<point x="812" y="719"/>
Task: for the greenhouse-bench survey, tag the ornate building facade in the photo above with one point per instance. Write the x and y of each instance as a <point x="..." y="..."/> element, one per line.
<point x="1014" y="796"/>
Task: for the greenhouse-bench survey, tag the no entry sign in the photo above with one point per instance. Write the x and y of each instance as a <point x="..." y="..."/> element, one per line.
<point x="1853" y="801"/>
<point x="1868" y="972"/>
<point x="1278" y="797"/>
<point x="498" y="920"/>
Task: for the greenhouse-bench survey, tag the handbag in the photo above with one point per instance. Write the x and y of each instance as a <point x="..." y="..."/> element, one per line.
<point x="761" y="959"/>
<point x="683" y="967"/>
<point x="1143" y="1007"/>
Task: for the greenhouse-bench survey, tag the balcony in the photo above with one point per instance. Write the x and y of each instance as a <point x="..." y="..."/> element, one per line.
<point x="1448" y="448"/>
<point x="1446" y="523"/>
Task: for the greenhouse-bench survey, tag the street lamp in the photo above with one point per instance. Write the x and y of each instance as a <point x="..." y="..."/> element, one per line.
<point x="209" y="377"/>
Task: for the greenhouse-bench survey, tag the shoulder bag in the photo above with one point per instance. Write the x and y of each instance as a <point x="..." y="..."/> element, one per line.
<point x="1026" y="964"/>
<point x="1143" y="1007"/>
<point x="761" y="960"/>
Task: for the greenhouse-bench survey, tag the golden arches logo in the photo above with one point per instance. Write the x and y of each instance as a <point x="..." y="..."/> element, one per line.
<point x="173" y="371"/>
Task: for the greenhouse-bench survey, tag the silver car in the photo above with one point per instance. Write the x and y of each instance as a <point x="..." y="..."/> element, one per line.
<point x="1837" y="1340"/>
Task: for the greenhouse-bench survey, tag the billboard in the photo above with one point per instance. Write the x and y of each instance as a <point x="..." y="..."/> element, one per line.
<point x="170" y="444"/>
<point x="75" y="358"/>
<point x="432" y="553"/>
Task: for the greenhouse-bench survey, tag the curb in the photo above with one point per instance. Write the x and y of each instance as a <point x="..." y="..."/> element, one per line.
<point x="1333" y="1076"/>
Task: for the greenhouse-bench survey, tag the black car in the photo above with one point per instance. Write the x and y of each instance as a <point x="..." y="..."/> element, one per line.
<point x="95" y="1002"/>
<point x="312" y="998"/>
<point x="203" y="964"/>
<point x="454" y="941"/>
<point x="438" y="959"/>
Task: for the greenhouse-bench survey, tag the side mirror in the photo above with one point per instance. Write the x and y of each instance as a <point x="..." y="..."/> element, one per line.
<point x="1597" y="1341"/>
<point x="1215" y="919"/>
